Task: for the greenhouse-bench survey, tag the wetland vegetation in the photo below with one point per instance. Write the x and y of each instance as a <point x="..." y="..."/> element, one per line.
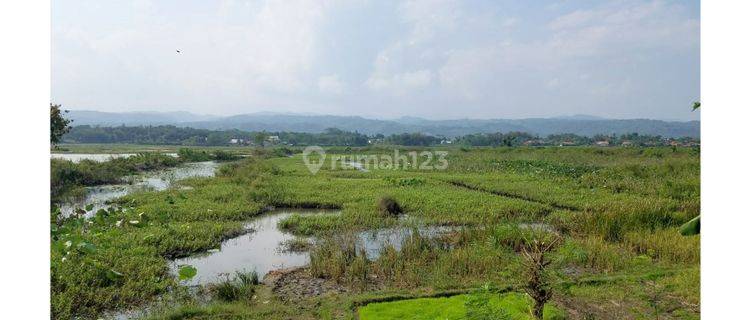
<point x="616" y="212"/>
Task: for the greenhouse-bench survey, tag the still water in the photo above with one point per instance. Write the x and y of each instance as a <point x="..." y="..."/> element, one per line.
<point x="98" y="157"/>
<point x="152" y="181"/>
<point x="261" y="249"/>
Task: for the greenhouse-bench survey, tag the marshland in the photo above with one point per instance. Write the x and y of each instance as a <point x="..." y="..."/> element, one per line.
<point x="262" y="237"/>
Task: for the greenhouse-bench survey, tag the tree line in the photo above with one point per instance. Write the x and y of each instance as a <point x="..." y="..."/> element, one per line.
<point x="172" y="135"/>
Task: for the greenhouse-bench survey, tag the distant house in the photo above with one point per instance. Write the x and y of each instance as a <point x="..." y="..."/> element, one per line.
<point x="603" y="143"/>
<point x="627" y="143"/>
<point x="236" y="141"/>
<point x="273" y="139"/>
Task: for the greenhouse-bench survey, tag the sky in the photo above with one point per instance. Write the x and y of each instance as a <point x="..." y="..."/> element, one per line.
<point x="435" y="59"/>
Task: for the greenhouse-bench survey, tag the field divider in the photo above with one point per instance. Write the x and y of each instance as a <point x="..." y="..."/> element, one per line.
<point x="509" y="195"/>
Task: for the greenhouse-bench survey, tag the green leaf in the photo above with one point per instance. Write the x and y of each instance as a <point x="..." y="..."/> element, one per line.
<point x="187" y="272"/>
<point x="89" y="207"/>
<point x="692" y="227"/>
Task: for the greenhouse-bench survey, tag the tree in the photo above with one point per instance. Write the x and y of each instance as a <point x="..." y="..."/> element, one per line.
<point x="259" y="138"/>
<point x="537" y="281"/>
<point x="59" y="126"/>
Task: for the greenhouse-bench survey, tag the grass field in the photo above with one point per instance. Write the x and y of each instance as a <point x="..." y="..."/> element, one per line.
<point x="616" y="211"/>
<point x="515" y="306"/>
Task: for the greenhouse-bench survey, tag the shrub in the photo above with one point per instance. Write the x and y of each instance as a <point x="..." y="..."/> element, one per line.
<point x="220" y="155"/>
<point x="333" y="256"/>
<point x="389" y="205"/>
<point x="191" y="155"/>
<point x="241" y="286"/>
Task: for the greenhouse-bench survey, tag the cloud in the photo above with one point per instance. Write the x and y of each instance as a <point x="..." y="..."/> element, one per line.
<point x="417" y="57"/>
<point x="247" y="51"/>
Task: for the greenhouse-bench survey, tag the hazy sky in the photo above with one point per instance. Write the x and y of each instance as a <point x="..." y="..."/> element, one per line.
<point x="435" y="59"/>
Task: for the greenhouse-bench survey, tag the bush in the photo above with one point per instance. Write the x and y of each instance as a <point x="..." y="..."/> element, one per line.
<point x="67" y="175"/>
<point x="220" y="155"/>
<point x="389" y="205"/>
<point x="191" y="155"/>
<point x="241" y="286"/>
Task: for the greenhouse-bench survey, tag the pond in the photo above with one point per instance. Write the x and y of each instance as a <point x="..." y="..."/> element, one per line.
<point x="98" y="157"/>
<point x="261" y="249"/>
<point x="372" y="241"/>
<point x="156" y="181"/>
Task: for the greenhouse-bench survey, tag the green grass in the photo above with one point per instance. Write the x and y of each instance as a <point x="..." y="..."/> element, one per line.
<point x="517" y="306"/>
<point x="617" y="210"/>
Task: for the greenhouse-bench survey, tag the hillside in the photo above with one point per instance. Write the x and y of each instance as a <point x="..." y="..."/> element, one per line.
<point x="580" y="125"/>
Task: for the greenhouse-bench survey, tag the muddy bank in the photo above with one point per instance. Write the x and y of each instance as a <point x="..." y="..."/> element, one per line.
<point x="292" y="284"/>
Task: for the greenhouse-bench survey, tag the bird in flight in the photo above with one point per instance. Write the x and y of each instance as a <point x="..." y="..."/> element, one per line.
<point x="178" y="51"/>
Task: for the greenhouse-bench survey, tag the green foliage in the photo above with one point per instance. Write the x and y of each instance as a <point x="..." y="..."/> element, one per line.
<point x="478" y="306"/>
<point x="497" y="306"/>
<point x="186" y="272"/>
<point x="405" y="182"/>
<point x="66" y="175"/>
<point x="58" y="124"/>
<point x="692" y="227"/>
<point x="413" y="139"/>
<point x="172" y="135"/>
<point x="240" y="287"/>
<point x="544" y="168"/>
<point x="192" y="155"/>
<point x="496" y="139"/>
<point x="618" y="210"/>
<point x="247" y="278"/>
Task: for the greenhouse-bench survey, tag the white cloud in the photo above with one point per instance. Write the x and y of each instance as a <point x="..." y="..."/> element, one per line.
<point x="621" y="27"/>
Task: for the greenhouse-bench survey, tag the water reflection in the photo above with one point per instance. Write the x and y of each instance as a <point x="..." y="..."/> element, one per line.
<point x="259" y="250"/>
<point x="98" y="196"/>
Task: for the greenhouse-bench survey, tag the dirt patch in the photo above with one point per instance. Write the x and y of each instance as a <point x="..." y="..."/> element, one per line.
<point x="293" y="284"/>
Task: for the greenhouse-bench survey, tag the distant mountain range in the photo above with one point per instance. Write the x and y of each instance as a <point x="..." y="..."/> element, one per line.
<point x="578" y="124"/>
